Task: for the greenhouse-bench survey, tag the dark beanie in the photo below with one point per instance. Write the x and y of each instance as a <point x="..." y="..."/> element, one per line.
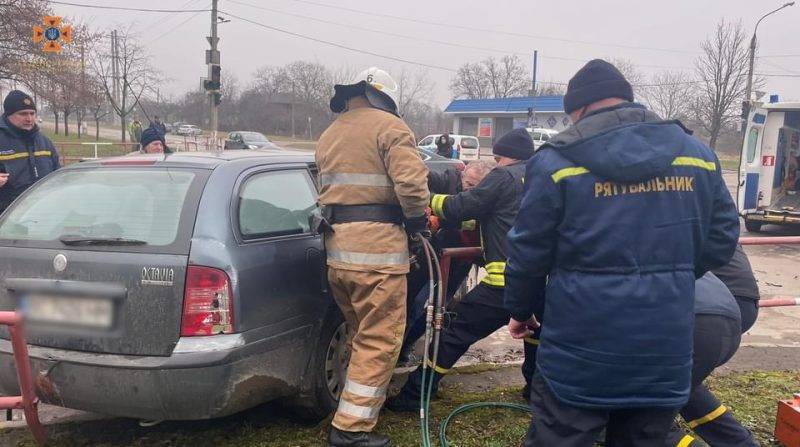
<point x="516" y="144"/>
<point x="16" y="101"/>
<point x="151" y="134"/>
<point x="597" y="80"/>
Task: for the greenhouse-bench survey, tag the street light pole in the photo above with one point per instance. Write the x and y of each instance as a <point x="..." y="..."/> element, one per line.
<point x="749" y="90"/>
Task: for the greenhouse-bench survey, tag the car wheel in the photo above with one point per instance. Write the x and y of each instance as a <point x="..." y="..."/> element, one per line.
<point x="327" y="372"/>
<point x="753" y="226"/>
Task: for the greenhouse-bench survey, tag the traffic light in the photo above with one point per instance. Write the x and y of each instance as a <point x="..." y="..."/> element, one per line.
<point x="217" y="98"/>
<point x="216" y="78"/>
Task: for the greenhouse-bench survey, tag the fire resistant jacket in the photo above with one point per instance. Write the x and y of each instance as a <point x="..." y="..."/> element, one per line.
<point x="494" y="203"/>
<point x="368" y="156"/>
<point x="26" y="157"/>
<point x="622" y="211"/>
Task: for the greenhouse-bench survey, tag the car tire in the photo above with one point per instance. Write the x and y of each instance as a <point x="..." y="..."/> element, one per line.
<point x="753" y="226"/>
<point x="326" y="372"/>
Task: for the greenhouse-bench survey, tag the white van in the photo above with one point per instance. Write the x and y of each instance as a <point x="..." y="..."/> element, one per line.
<point x="769" y="190"/>
<point x="468" y="146"/>
<point x="540" y="135"/>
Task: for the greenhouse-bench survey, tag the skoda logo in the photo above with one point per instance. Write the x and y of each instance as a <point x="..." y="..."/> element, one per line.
<point x="60" y="263"/>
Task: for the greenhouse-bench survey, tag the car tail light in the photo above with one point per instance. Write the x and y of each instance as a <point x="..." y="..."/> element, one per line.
<point x="207" y="302"/>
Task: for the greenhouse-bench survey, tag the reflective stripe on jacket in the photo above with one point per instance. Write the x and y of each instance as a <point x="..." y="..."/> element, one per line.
<point x="368" y="156"/>
<point x="25" y="159"/>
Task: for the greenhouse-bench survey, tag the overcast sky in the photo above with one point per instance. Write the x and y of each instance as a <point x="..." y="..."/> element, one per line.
<point x="654" y="35"/>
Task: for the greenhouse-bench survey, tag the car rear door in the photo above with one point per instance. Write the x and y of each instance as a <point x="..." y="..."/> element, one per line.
<point x="282" y="285"/>
<point x="97" y="257"/>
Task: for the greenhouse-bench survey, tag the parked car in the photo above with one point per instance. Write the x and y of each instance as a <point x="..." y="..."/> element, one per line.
<point x="436" y="162"/>
<point x="541" y="135"/>
<point x="168" y="128"/>
<point x="189" y="130"/>
<point x="468" y="146"/>
<point x="189" y="286"/>
<point x="248" y="140"/>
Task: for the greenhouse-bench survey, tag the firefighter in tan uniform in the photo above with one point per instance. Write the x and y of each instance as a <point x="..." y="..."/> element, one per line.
<point x="374" y="193"/>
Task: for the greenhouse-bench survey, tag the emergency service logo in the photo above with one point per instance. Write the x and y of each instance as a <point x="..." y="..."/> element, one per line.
<point x="52" y="34"/>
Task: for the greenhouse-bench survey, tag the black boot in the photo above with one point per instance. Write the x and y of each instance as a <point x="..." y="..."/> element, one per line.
<point x="341" y="438"/>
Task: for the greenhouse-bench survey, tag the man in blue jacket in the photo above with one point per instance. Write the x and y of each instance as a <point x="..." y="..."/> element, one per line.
<point x="621" y="212"/>
<point x="26" y="155"/>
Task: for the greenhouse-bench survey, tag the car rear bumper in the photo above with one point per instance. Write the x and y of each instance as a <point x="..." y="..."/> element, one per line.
<point x="214" y="380"/>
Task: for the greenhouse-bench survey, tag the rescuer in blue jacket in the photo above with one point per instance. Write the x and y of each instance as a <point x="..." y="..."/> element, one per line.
<point x="621" y="212"/>
<point x="26" y="155"/>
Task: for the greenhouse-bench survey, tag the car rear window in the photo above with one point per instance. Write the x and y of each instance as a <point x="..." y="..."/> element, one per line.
<point x="130" y="203"/>
<point x="469" y="143"/>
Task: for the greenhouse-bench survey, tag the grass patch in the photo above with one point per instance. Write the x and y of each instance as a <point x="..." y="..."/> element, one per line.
<point x="751" y="397"/>
<point x="729" y="162"/>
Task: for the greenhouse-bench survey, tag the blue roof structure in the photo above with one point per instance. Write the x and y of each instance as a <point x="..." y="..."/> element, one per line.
<point x="507" y="105"/>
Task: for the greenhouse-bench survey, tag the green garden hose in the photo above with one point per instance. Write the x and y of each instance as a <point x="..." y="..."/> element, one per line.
<point x="435" y="309"/>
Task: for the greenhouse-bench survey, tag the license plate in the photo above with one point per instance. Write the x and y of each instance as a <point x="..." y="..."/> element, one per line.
<point x="94" y="313"/>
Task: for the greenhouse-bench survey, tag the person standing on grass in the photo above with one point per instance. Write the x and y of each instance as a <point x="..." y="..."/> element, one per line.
<point x="26" y="154"/>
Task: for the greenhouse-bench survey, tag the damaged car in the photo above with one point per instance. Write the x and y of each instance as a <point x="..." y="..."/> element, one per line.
<point x="174" y="287"/>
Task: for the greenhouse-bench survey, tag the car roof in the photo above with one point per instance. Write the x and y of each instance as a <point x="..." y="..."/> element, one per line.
<point x="207" y="160"/>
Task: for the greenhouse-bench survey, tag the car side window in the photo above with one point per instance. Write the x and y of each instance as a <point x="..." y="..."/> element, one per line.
<point x="426" y="142"/>
<point x="536" y="136"/>
<point x="545" y="137"/>
<point x="276" y="203"/>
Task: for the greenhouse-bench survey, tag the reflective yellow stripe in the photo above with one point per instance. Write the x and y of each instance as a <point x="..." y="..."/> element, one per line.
<point x="707" y="418"/>
<point x="495" y="267"/>
<point x="495" y="279"/>
<point x="696" y="162"/>
<point x="25" y="155"/>
<point x="436" y="368"/>
<point x="568" y="172"/>
<point x="437" y="204"/>
<point x="531" y="341"/>
<point x="685" y="441"/>
<point x="469" y="225"/>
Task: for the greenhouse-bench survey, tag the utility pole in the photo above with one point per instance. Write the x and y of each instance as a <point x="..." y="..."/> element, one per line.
<point x="535" y="67"/>
<point x="214" y="74"/>
<point x="532" y="109"/>
<point x="81" y="103"/>
<point x="749" y="90"/>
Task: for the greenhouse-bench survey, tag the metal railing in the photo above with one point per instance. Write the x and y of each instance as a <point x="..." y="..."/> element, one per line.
<point x="27" y="401"/>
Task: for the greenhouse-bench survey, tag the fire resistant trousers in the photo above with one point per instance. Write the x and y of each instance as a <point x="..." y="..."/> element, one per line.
<point x="374" y="307"/>
<point x="558" y="424"/>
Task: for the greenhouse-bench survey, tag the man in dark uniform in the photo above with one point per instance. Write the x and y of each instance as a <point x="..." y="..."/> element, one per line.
<point x="493" y="203"/>
<point x="621" y="212"/>
<point x="26" y="155"/>
<point x="717" y="334"/>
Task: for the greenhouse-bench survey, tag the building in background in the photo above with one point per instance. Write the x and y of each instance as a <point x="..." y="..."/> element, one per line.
<point x="489" y="119"/>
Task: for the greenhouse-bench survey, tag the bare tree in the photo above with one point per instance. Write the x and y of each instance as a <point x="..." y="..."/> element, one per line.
<point x="414" y="88"/>
<point x="507" y="77"/>
<point x="271" y="81"/>
<point x="17" y="18"/>
<point x="550" y="88"/>
<point x="670" y="94"/>
<point x="491" y="78"/>
<point x="470" y="82"/>
<point x="133" y="74"/>
<point x="722" y="72"/>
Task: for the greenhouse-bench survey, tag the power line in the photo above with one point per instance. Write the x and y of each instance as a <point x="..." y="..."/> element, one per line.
<point x="488" y="30"/>
<point x="338" y="45"/>
<point x="122" y="8"/>
<point x="171" y="29"/>
<point x="424" y="39"/>
<point x="165" y="19"/>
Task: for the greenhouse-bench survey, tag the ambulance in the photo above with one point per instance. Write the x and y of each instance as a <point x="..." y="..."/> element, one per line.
<point x="769" y="186"/>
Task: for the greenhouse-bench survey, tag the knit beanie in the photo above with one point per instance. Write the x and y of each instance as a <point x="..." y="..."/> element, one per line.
<point x="151" y="134"/>
<point x="16" y="101"/>
<point x="597" y="80"/>
<point x="516" y="144"/>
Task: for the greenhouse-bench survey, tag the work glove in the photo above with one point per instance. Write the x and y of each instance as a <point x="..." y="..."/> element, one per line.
<point x="416" y="225"/>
